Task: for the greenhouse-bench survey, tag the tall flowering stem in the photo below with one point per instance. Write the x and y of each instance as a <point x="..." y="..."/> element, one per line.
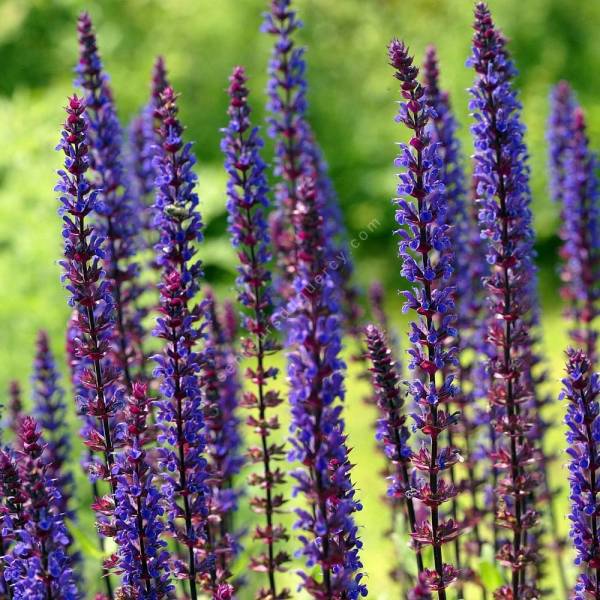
<point x="427" y="264"/>
<point x="178" y="366"/>
<point x="51" y="412"/>
<point x="14" y="408"/>
<point x="12" y="511"/>
<point x="442" y="130"/>
<point x="392" y="431"/>
<point x="223" y="441"/>
<point x="316" y="375"/>
<point x="287" y="126"/>
<point x="581" y="238"/>
<point x="142" y="558"/>
<point x="89" y="290"/>
<point x="581" y="389"/>
<point x="117" y="220"/>
<point x="505" y="221"/>
<point x="560" y="130"/>
<point x="39" y="565"/>
<point x="247" y="204"/>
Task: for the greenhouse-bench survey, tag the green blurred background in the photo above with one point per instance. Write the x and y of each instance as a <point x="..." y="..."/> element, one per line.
<point x="351" y="97"/>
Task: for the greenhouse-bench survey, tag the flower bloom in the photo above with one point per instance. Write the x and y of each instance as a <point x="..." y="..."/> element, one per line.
<point x="221" y="395"/>
<point x="38" y="565"/>
<point x="469" y="259"/>
<point x="316" y="374"/>
<point x="427" y="264"/>
<point x="392" y="431"/>
<point x="505" y="222"/>
<point x="560" y="129"/>
<point x="247" y="203"/>
<point x="88" y="288"/>
<point x="142" y="558"/>
<point x="581" y="389"/>
<point x="580" y="233"/>
<point x="180" y="417"/>
<point x="50" y="411"/>
<point x="117" y="218"/>
<point x="287" y="126"/>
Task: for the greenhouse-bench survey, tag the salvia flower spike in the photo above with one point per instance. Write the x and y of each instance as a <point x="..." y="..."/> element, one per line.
<point x="287" y="107"/>
<point x="560" y="130"/>
<point x="89" y="290"/>
<point x="38" y="565"/>
<point x="316" y="375"/>
<point x="581" y="238"/>
<point x="247" y="203"/>
<point x="443" y="131"/>
<point x="427" y="264"/>
<point x="505" y="221"/>
<point x="581" y="389"/>
<point x="117" y="219"/>
<point x="392" y="430"/>
<point x="15" y="408"/>
<point x="142" y="558"/>
<point x="221" y="395"/>
<point x="180" y="417"/>
<point x="51" y="411"/>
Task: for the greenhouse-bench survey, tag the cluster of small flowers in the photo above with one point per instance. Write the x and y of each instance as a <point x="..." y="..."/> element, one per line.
<point x="164" y="449"/>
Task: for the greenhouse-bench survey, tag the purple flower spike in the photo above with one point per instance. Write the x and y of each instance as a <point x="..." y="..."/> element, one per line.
<point x="247" y="204"/>
<point x="316" y="376"/>
<point x="142" y="559"/>
<point x="581" y="238"/>
<point x="117" y="218"/>
<point x="12" y="510"/>
<point x="581" y="389"/>
<point x="15" y="408"/>
<point x="221" y="395"/>
<point x="50" y="411"/>
<point x="287" y="126"/>
<point x="160" y="82"/>
<point x="88" y="288"/>
<point x="392" y="431"/>
<point x="463" y="235"/>
<point x="180" y="415"/>
<point x="38" y="565"/>
<point x="505" y="222"/>
<point x="427" y="264"/>
<point x="560" y="130"/>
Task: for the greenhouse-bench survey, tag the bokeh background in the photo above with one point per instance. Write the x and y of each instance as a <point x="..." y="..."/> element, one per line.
<point x="351" y="98"/>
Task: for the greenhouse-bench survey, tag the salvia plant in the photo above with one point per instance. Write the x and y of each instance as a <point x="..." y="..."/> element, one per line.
<point x="217" y="472"/>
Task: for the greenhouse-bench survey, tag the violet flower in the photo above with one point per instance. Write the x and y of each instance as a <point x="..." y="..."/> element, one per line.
<point x="505" y="221"/>
<point x="581" y="389"/>
<point x="117" y="218"/>
<point x="142" y="147"/>
<point x="560" y="130"/>
<point x="77" y="369"/>
<point x="89" y="290"/>
<point x="142" y="560"/>
<point x="287" y="107"/>
<point x="180" y="417"/>
<point x="316" y="374"/>
<point x="392" y="431"/>
<point x="38" y="565"/>
<point x="15" y="408"/>
<point x="221" y="395"/>
<point x="443" y="131"/>
<point x="580" y="233"/>
<point x="427" y="264"/>
<point x="51" y="412"/>
<point x="247" y="204"/>
<point x="12" y="511"/>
